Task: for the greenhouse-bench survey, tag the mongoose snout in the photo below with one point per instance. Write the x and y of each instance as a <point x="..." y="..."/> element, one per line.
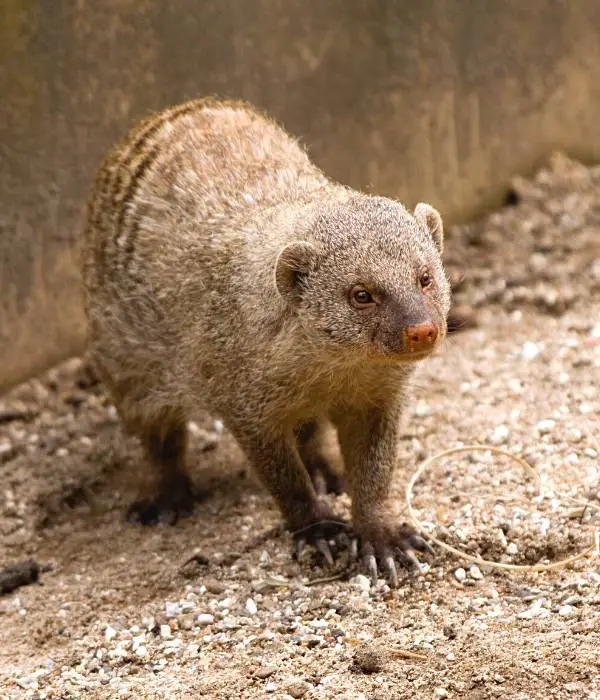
<point x="224" y="271"/>
<point x="421" y="337"/>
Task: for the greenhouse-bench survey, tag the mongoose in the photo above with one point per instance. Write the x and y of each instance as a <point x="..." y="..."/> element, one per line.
<point x="222" y="268"/>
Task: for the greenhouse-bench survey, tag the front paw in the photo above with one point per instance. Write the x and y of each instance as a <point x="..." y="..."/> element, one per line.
<point x="383" y="544"/>
<point x="320" y="534"/>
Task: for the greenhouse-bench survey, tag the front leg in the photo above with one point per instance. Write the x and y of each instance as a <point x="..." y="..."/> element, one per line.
<point x="276" y="460"/>
<point x="368" y="440"/>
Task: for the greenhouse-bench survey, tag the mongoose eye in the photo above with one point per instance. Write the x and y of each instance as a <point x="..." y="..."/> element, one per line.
<point x="360" y="298"/>
<point x="425" y="279"/>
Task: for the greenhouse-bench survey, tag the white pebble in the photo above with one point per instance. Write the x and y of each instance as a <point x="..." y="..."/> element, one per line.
<point x="319" y="624"/>
<point x="545" y="426"/>
<point x="165" y="631"/>
<point x="251" y="606"/>
<point x="265" y="559"/>
<point x="533" y="611"/>
<point x="512" y="548"/>
<point x="142" y="652"/>
<point x="110" y="633"/>
<point x="225" y="603"/>
<point x="499" y="435"/>
<point x="270" y="688"/>
<point x="585" y="408"/>
<point x="566" y="611"/>
<point x="475" y="572"/>
<point x="205" y="619"/>
<point x="530" y="350"/>
<point x="361" y="582"/>
<point x="440" y="693"/>
<point x="422" y="409"/>
<point x="460" y="574"/>
<point x="172" y="609"/>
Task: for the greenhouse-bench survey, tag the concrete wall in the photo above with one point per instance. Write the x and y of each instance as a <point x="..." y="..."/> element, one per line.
<point x="442" y="100"/>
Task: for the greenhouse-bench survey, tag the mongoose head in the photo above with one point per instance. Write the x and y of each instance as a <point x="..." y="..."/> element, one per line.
<point x="368" y="277"/>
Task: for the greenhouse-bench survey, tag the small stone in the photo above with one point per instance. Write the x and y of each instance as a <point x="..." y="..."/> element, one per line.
<point x="297" y="688"/>
<point x="205" y="619"/>
<point x="422" y="409"/>
<point x="165" y="631"/>
<point x="512" y="548"/>
<point x="110" y="633"/>
<point x="567" y="611"/>
<point x="450" y="631"/>
<point x="534" y="611"/>
<point x="460" y="574"/>
<point x="585" y="626"/>
<point x="172" y="609"/>
<point x="530" y="350"/>
<point x="440" y="693"/>
<point x="251" y="606"/>
<point x="362" y="583"/>
<point x="475" y="572"/>
<point x="545" y="426"/>
<point x="142" y="652"/>
<point x="368" y="658"/>
<point x="499" y="435"/>
<point x="265" y="671"/>
<point x="270" y="687"/>
<point x="265" y="559"/>
<point x="213" y="586"/>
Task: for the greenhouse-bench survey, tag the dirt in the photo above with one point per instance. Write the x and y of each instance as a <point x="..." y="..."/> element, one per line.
<point x="215" y="607"/>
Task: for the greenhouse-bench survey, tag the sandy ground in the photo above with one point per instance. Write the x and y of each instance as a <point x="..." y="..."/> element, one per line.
<point x="121" y="614"/>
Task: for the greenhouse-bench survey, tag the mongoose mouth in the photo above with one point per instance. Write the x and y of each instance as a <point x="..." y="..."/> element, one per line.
<point x="405" y="357"/>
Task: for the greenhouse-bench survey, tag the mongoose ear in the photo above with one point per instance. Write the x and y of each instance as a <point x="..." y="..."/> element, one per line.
<point x="430" y="218"/>
<point x="295" y="261"/>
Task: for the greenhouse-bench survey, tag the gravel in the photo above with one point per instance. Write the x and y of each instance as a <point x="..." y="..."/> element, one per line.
<point x="118" y="616"/>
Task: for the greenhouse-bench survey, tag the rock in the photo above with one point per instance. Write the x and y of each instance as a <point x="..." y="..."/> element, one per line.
<point x="213" y="586"/>
<point x="460" y="574"/>
<point x="172" y="609"/>
<point x="205" y="619"/>
<point x="440" y="693"/>
<point x="251" y="606"/>
<point x="475" y="572"/>
<point x="265" y="671"/>
<point x="362" y="583"/>
<point x="567" y="611"/>
<point x="368" y="658"/>
<point x="545" y="426"/>
<point x="296" y="687"/>
<point x="499" y="435"/>
<point x="530" y="351"/>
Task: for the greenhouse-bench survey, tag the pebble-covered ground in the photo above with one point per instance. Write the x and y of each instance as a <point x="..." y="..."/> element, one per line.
<point x="214" y="606"/>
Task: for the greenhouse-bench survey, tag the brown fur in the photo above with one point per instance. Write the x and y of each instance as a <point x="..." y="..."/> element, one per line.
<point x="217" y="263"/>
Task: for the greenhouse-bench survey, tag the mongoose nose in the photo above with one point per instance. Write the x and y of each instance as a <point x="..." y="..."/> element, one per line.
<point x="421" y="336"/>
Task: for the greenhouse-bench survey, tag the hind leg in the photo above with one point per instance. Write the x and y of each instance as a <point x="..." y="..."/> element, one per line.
<point x="164" y="440"/>
<point x="310" y="438"/>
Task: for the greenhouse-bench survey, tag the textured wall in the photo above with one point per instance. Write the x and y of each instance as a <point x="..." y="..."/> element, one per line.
<point x="442" y="100"/>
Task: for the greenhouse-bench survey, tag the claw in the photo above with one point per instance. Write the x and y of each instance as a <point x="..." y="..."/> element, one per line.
<point x="390" y="566"/>
<point x="410" y="555"/>
<point x="353" y="549"/>
<point x="371" y="566"/>
<point x="342" y="540"/>
<point x="420" y="544"/>
<point x="300" y="545"/>
<point x="323" y="547"/>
